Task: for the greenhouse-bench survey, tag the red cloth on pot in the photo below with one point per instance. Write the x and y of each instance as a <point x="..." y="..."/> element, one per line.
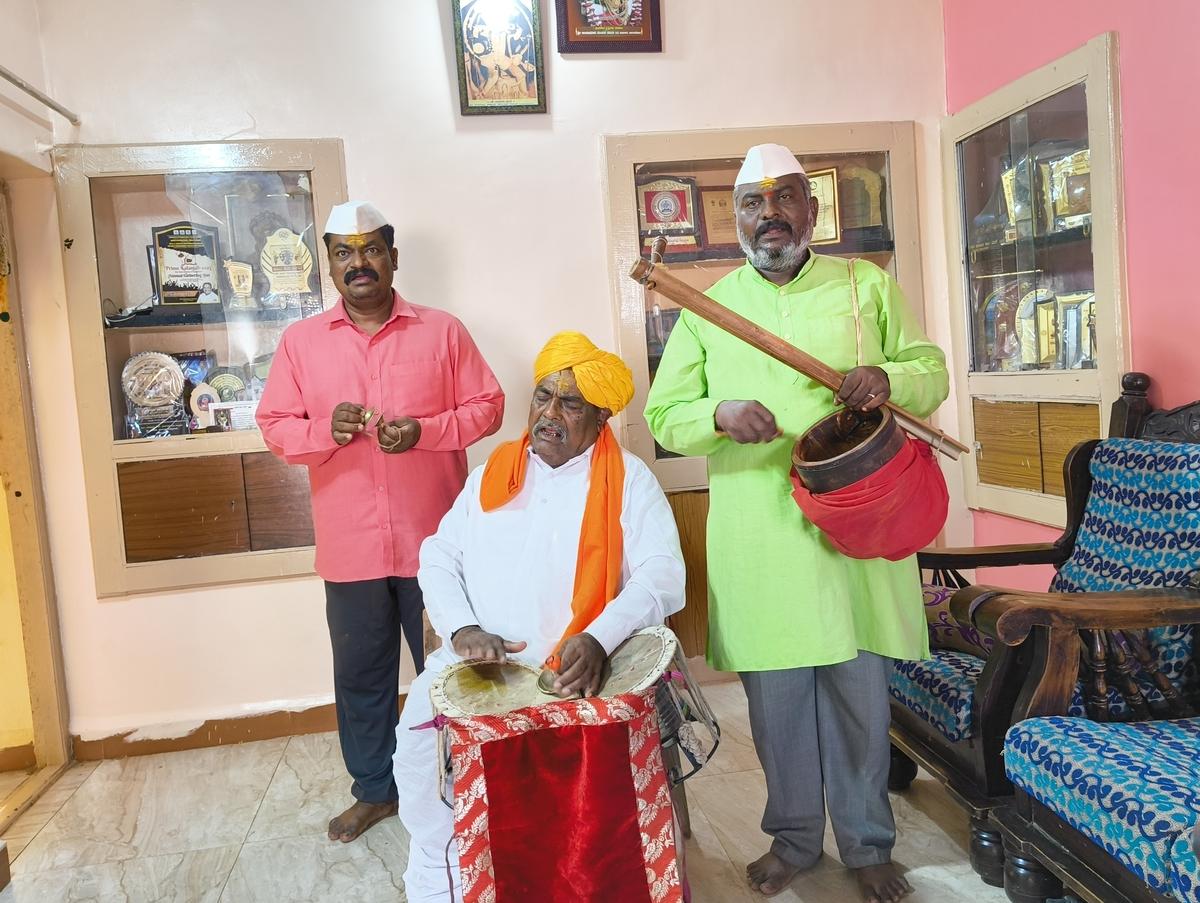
<point x="893" y="513"/>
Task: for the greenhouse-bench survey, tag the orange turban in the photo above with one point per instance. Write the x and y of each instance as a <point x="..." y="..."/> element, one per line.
<point x="602" y="377"/>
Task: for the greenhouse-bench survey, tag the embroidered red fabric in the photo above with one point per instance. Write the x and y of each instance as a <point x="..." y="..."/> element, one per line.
<point x="575" y="809"/>
<point x="563" y="816"/>
<point x="893" y="513"/>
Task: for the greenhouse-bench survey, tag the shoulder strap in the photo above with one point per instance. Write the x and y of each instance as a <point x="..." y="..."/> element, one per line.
<point x="857" y="313"/>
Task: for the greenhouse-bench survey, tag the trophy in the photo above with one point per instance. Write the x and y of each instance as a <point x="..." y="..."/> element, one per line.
<point x="241" y="281"/>
<point x="185" y="269"/>
<point x="286" y="262"/>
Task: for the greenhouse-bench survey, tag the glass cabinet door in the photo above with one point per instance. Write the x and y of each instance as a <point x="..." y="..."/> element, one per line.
<point x="199" y="275"/>
<point x="691" y="203"/>
<point x="1025" y="185"/>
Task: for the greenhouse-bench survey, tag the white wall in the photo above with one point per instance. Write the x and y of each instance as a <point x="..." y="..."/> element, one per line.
<point x="24" y="123"/>
<point x="499" y="219"/>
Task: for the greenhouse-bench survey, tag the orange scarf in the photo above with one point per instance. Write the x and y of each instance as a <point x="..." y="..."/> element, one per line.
<point x="598" y="562"/>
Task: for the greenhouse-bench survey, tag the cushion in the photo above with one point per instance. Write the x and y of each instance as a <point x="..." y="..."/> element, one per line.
<point x="1132" y="789"/>
<point x="939" y="690"/>
<point x="944" y="631"/>
<point x="1141" y="529"/>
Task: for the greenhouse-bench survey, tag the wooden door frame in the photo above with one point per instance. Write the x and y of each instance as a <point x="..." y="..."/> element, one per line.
<point x="21" y="478"/>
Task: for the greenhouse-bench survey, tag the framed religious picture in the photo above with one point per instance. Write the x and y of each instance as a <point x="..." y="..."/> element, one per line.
<point x="499" y="56"/>
<point x="669" y="206"/>
<point x="827" y="230"/>
<point x="720" y="218"/>
<point x="608" y="26"/>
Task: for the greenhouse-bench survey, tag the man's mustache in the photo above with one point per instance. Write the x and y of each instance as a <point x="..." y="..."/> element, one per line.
<point x="557" y="428"/>
<point x="351" y="275"/>
<point x="773" y="224"/>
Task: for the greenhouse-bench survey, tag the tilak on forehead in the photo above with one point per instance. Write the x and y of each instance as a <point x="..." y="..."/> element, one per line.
<point x="355" y="220"/>
<point x="765" y="164"/>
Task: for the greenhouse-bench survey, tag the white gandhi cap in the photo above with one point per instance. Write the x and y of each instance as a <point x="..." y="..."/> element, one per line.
<point x="767" y="161"/>
<point x="354" y="218"/>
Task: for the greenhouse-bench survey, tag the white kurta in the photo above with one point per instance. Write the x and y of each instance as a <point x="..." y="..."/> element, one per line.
<point x="512" y="572"/>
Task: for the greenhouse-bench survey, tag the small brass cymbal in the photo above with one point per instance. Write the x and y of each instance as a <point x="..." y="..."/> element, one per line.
<point x="545" y="681"/>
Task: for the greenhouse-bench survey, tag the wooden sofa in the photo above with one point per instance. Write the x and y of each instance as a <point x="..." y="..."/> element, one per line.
<point x="951" y="714"/>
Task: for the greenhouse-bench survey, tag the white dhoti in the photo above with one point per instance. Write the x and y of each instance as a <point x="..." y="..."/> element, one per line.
<point x="429" y="821"/>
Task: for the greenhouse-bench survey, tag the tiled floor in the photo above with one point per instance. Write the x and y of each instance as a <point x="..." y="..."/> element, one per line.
<point x="246" y="823"/>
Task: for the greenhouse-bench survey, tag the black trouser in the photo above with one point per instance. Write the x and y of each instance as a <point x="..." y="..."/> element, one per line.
<point x="365" y="620"/>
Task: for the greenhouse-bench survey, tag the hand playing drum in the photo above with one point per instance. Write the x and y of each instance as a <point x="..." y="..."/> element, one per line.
<point x="583" y="667"/>
<point x="475" y="643"/>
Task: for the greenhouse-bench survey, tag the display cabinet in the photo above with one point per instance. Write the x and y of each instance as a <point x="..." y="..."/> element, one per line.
<point x="680" y="185"/>
<point x="1032" y="187"/>
<point x="184" y="265"/>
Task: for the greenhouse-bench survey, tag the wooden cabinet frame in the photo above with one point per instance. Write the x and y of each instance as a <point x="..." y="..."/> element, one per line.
<point x="1096" y="65"/>
<point x="624" y="152"/>
<point x="74" y="166"/>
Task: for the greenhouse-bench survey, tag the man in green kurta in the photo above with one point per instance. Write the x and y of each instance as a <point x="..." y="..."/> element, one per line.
<point x="811" y="632"/>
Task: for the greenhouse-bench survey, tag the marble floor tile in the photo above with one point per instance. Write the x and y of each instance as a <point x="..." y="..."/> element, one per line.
<point x="313" y="869"/>
<point x="736" y="752"/>
<point x="711" y="876"/>
<point x="10" y="781"/>
<point x="32" y="820"/>
<point x="193" y="877"/>
<point x="310" y="786"/>
<point x="152" y="805"/>
<point x="934" y="861"/>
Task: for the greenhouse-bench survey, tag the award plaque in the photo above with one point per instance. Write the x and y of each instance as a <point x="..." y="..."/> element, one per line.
<point x="1076" y="319"/>
<point x="827" y="229"/>
<point x="720" y="217"/>
<point x="241" y="283"/>
<point x="186" y="264"/>
<point x="669" y="207"/>
<point x="1071" y="190"/>
<point x="860" y="196"/>
<point x="287" y="264"/>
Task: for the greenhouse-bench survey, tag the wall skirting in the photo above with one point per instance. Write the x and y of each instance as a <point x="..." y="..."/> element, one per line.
<point x="218" y="732"/>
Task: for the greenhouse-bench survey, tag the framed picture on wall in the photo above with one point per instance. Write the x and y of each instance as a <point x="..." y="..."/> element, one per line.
<point x="608" y="26"/>
<point x="499" y="56"/>
<point x="828" y="228"/>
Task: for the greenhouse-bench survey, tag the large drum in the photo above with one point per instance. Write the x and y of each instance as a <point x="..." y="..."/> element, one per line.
<point x="570" y="799"/>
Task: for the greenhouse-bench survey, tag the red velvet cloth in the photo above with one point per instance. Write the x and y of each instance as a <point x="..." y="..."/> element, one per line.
<point x="562" y="817"/>
<point x="893" y="513"/>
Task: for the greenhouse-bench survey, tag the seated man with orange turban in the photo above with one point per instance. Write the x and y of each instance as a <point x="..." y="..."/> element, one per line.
<point x="559" y="548"/>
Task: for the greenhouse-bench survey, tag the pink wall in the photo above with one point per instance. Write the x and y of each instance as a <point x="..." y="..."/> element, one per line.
<point x="988" y="46"/>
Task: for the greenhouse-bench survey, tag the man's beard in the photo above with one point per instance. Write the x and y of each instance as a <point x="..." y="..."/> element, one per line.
<point x="777" y="260"/>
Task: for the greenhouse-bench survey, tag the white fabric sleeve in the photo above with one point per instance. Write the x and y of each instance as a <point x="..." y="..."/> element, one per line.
<point x="441" y="566"/>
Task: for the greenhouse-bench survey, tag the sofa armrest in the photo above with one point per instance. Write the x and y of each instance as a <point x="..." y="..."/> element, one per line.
<point x="1009" y="615"/>
<point x="991" y="556"/>
<point x="1052" y="621"/>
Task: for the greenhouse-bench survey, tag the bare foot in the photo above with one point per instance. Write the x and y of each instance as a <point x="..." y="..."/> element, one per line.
<point x="357" y="819"/>
<point x="770" y="875"/>
<point x="881" y="883"/>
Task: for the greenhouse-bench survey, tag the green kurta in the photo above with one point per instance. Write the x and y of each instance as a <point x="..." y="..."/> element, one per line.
<point x="780" y="596"/>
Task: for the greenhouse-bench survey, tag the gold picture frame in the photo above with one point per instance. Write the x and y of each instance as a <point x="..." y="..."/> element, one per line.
<point x="827" y="230"/>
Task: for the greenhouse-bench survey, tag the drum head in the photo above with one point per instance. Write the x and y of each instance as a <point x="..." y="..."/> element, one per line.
<point x="639" y="661"/>
<point x="485" y="688"/>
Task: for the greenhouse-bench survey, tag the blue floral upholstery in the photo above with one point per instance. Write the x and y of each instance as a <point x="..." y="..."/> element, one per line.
<point x="939" y="690"/>
<point x="944" y="631"/>
<point x="1141" y="529"/>
<point x="1132" y="789"/>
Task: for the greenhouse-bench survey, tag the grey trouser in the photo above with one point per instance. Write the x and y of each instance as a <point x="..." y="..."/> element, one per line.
<point x="822" y="735"/>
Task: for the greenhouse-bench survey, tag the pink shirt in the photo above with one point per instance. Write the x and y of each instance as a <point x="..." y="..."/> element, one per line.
<point x="371" y="510"/>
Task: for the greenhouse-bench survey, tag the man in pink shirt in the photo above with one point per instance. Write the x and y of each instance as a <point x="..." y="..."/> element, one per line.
<point x="378" y="398"/>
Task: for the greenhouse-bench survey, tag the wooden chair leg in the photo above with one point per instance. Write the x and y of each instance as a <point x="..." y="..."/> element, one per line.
<point x="1028" y="881"/>
<point x="987" y="852"/>
<point x="902" y="772"/>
